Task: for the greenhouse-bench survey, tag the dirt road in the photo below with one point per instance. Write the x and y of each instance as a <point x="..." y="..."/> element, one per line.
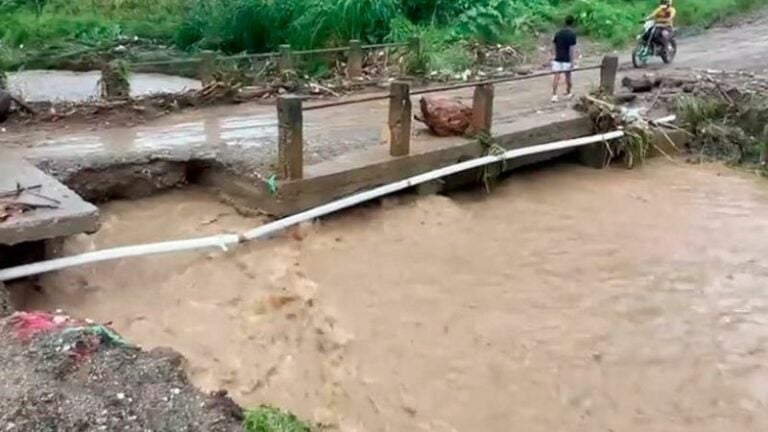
<point x="743" y="46"/>
<point x="248" y="133"/>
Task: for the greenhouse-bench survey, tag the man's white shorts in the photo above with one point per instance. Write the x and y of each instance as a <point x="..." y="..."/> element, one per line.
<point x="561" y="66"/>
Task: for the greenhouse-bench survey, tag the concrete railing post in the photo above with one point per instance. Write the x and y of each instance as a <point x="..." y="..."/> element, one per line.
<point x="115" y="82"/>
<point x="482" y="109"/>
<point x="608" y="71"/>
<point x="290" y="137"/>
<point x="355" y="60"/>
<point x="399" y="118"/>
<point x="285" y="59"/>
<point x="207" y="67"/>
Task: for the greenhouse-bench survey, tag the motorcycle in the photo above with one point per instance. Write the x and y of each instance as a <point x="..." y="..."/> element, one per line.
<point x="649" y="45"/>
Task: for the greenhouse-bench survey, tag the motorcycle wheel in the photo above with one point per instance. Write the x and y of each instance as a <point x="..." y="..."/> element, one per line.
<point x="640" y="56"/>
<point x="669" y="54"/>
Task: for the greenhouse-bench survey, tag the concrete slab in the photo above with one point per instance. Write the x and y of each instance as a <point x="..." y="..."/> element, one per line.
<point x="60" y="211"/>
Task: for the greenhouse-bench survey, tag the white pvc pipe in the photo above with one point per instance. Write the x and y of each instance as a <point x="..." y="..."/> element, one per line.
<point x="218" y="242"/>
<point x="224" y="240"/>
<point x="361" y="197"/>
<point x="667" y="119"/>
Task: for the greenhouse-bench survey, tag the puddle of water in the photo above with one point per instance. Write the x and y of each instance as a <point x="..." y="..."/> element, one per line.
<point x="68" y="86"/>
<point x="569" y="299"/>
<point x="240" y="131"/>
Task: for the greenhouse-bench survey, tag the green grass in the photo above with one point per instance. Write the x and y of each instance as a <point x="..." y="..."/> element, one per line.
<point x="269" y="419"/>
<point x="261" y="25"/>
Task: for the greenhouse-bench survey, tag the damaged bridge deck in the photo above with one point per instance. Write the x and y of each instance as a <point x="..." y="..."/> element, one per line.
<point x="35" y="206"/>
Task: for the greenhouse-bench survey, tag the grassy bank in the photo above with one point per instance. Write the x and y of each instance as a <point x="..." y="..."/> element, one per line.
<point x="260" y="25"/>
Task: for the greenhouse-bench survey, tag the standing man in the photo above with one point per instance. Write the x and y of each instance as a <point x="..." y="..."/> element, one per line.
<point x="564" y="56"/>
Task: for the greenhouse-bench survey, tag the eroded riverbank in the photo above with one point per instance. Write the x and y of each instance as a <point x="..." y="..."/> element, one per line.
<point x="569" y="298"/>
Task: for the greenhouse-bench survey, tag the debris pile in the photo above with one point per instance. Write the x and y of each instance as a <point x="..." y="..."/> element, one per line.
<point x="381" y="64"/>
<point x="725" y="113"/>
<point x="128" y="111"/>
<point x="24" y="199"/>
<point x="728" y="121"/>
<point x="608" y="117"/>
<point x="497" y="56"/>
<point x="62" y="373"/>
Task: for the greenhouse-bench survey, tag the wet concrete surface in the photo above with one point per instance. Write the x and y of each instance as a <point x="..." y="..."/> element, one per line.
<point x="56" y="211"/>
<point x="244" y="137"/>
<point x="68" y="86"/>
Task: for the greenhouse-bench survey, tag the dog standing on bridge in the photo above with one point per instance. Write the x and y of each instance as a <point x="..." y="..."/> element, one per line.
<point x="564" y="57"/>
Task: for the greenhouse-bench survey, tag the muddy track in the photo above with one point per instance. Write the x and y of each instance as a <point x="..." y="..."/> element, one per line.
<point x="742" y="46"/>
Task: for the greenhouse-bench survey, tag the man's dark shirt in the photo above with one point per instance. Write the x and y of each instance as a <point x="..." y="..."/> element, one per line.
<point x="564" y="40"/>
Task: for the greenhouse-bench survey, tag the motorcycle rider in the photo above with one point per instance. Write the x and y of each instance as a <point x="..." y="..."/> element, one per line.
<point x="664" y="17"/>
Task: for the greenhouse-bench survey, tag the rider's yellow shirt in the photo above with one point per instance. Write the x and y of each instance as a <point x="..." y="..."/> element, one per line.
<point x="664" y="16"/>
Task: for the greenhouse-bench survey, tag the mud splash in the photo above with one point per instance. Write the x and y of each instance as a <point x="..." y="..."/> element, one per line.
<point x="569" y="299"/>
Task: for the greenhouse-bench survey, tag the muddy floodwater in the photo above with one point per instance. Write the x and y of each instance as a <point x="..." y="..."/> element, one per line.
<point x="569" y="299"/>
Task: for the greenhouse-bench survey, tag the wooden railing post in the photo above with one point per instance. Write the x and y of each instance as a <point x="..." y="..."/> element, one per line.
<point x="482" y="109"/>
<point x="355" y="60"/>
<point x="207" y="67"/>
<point x="399" y="118"/>
<point x="608" y="71"/>
<point x="285" y="60"/>
<point x="290" y="137"/>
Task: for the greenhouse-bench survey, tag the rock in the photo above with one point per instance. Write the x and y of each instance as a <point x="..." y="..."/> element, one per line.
<point x="445" y="117"/>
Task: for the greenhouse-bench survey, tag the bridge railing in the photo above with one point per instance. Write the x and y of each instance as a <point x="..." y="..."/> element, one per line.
<point x="285" y="57"/>
<point x="290" y="113"/>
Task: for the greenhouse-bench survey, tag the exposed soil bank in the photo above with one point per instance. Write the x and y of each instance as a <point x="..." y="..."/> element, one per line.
<point x="64" y="374"/>
<point x="569" y="299"/>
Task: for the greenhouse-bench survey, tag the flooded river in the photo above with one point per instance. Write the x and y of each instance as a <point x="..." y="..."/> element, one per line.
<point x="570" y="299"/>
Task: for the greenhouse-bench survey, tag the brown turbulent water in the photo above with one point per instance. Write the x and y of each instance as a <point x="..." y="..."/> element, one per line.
<point x="568" y="300"/>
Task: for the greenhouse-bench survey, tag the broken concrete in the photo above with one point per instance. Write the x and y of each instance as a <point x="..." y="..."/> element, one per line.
<point x="129" y="181"/>
<point x="56" y="211"/>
